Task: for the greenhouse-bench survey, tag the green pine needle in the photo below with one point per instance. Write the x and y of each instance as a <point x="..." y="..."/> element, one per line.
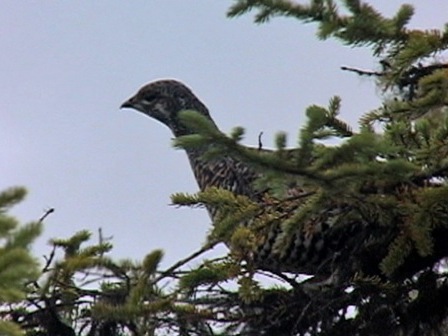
<point x="152" y="261"/>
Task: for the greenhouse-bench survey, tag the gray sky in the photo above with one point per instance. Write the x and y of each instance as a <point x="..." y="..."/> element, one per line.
<point x="67" y="66"/>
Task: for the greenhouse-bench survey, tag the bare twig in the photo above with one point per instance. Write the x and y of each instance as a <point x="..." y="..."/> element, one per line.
<point x="182" y="262"/>
<point x="363" y="72"/>
<point x="260" y="144"/>
<point x="45" y="215"/>
<point x="280" y="276"/>
<point x="299" y="196"/>
<point x="103" y="239"/>
<point x="49" y="260"/>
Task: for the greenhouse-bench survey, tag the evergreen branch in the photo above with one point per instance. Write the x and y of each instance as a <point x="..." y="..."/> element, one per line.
<point x="202" y="276"/>
<point x="268" y="8"/>
<point x="10" y="328"/>
<point x="426" y="175"/>
<point x="10" y="197"/>
<point x="364" y="25"/>
<point x="340" y="128"/>
<point x="368" y="119"/>
<point x="207" y="133"/>
<point x="152" y="261"/>
<point x="399" y="249"/>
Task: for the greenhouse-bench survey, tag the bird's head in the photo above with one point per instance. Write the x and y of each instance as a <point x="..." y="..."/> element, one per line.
<point x="163" y="100"/>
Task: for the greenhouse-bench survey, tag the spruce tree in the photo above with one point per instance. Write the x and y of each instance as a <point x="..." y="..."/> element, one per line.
<point x="389" y="179"/>
<point x="17" y="266"/>
<point x="386" y="181"/>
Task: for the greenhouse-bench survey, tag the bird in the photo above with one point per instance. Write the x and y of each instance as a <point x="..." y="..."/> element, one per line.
<point x="339" y="249"/>
<point x="307" y="250"/>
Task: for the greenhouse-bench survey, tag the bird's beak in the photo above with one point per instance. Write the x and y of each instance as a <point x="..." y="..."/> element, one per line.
<point x="127" y="104"/>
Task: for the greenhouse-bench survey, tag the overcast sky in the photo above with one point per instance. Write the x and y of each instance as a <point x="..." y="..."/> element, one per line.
<point x="67" y="66"/>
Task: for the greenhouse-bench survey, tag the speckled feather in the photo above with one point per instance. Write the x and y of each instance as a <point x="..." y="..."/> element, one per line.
<point x="162" y="100"/>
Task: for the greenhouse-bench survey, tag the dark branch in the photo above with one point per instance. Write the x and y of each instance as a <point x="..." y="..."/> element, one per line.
<point x="362" y="72"/>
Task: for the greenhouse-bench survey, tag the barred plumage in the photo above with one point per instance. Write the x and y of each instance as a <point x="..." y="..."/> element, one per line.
<point x="307" y="250"/>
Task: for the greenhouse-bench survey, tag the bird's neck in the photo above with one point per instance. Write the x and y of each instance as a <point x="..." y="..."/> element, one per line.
<point x="203" y="169"/>
<point x="200" y="167"/>
<point x="206" y="174"/>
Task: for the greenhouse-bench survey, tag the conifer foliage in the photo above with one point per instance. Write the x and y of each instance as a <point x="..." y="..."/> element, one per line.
<point x="386" y="183"/>
<point x="384" y="189"/>
<point x="17" y="267"/>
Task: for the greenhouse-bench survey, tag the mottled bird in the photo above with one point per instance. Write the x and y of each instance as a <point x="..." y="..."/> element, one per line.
<point x="306" y="250"/>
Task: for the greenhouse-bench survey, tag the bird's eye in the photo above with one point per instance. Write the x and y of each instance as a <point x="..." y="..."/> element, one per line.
<point x="150" y="97"/>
